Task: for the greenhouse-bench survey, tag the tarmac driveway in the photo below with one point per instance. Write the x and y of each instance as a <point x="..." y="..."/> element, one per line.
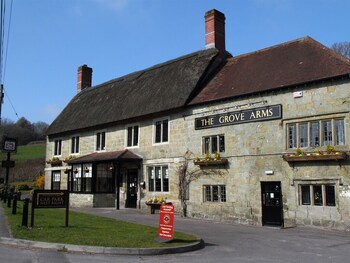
<point x="228" y="242"/>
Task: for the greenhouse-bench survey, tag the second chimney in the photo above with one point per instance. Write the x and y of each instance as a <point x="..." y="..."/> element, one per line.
<point x="84" y="77"/>
<point x="215" y="31"/>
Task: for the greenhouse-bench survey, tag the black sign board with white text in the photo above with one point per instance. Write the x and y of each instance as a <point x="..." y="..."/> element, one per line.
<point x="50" y="199"/>
<point x="236" y="117"/>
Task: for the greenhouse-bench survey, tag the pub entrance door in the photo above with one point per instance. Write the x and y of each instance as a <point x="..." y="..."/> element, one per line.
<point x="272" y="207"/>
<point x="131" y="191"/>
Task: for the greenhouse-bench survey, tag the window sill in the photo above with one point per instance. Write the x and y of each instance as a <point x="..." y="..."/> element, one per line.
<point x="338" y="156"/>
<point x="221" y="161"/>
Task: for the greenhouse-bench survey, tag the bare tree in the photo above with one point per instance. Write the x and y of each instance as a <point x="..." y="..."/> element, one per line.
<point x="188" y="174"/>
<point x="342" y="48"/>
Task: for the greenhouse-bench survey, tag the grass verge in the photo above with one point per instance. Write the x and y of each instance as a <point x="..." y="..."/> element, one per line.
<point x="87" y="230"/>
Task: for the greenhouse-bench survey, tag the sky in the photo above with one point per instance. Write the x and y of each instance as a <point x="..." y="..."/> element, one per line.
<point x="47" y="40"/>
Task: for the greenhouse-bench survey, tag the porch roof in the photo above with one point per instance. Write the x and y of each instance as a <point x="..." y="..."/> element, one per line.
<point x="123" y="155"/>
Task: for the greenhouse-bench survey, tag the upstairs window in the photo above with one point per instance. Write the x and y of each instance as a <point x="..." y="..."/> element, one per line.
<point x="161" y="131"/>
<point x="100" y="141"/>
<point x="316" y="133"/>
<point x="74" y="144"/>
<point x="132" y="139"/>
<point x="213" y="144"/>
<point x="58" y="147"/>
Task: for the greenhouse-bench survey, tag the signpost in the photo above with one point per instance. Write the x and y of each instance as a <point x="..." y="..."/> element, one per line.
<point x="166" y="223"/>
<point x="50" y="199"/>
<point x="9" y="145"/>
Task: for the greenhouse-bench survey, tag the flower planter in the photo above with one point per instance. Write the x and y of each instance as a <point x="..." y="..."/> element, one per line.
<point x="316" y="157"/>
<point x="55" y="163"/>
<point x="154" y="206"/>
<point x="221" y="161"/>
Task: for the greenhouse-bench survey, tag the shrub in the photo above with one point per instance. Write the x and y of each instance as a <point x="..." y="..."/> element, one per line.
<point x="40" y="182"/>
<point x="24" y="187"/>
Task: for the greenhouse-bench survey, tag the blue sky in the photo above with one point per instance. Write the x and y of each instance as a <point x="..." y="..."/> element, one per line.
<point x="50" y="39"/>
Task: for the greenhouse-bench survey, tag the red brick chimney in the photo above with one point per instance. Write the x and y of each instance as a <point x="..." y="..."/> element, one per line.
<point x="215" y="31"/>
<point x="84" y="77"/>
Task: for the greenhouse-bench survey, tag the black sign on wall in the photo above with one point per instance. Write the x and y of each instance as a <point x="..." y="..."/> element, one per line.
<point x="237" y="117"/>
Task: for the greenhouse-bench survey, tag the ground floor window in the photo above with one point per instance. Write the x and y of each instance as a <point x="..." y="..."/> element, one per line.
<point x="56" y="180"/>
<point x="104" y="178"/>
<point x="82" y="180"/>
<point x="158" y="178"/>
<point x="317" y="194"/>
<point x="214" y="193"/>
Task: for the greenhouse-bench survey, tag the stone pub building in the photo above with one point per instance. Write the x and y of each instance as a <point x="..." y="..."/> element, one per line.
<point x="268" y="134"/>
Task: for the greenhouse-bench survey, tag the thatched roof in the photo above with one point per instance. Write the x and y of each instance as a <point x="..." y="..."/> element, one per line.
<point x="161" y="88"/>
<point x="185" y="81"/>
<point x="286" y="65"/>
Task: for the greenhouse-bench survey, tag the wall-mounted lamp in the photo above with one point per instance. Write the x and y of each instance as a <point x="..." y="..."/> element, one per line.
<point x="269" y="172"/>
<point x="143" y="185"/>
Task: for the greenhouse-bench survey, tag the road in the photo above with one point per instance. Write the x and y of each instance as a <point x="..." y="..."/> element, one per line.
<point x="225" y="242"/>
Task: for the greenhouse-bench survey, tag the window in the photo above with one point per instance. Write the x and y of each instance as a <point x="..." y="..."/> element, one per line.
<point x="100" y="141"/>
<point x="327" y="132"/>
<point x="132" y="139"/>
<point x="74" y="144"/>
<point x="76" y="178"/>
<point x="57" y="147"/>
<point x="292" y="136"/>
<point x="87" y="178"/>
<point x="316" y="133"/>
<point x="214" y="144"/>
<point x="214" y="193"/>
<point x="317" y="194"/>
<point x="339" y="132"/>
<point x="161" y="131"/>
<point x="158" y="178"/>
<point x="104" y="178"/>
<point x="303" y="135"/>
<point x="56" y="180"/>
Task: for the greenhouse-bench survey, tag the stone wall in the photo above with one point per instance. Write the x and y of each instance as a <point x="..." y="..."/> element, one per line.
<point x="251" y="149"/>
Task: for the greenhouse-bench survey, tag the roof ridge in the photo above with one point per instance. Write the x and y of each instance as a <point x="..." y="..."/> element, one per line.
<point x="154" y="67"/>
<point x="307" y="38"/>
<point x="274" y="46"/>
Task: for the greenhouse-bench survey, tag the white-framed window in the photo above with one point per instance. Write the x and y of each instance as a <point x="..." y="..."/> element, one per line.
<point x="317" y="194"/>
<point x="214" y="193"/>
<point x="316" y="133"/>
<point x="56" y="180"/>
<point x="75" y="144"/>
<point x="82" y="178"/>
<point x="213" y="144"/>
<point x="101" y="141"/>
<point x="161" y="131"/>
<point x="158" y="178"/>
<point x="132" y="135"/>
<point x="57" y="147"/>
